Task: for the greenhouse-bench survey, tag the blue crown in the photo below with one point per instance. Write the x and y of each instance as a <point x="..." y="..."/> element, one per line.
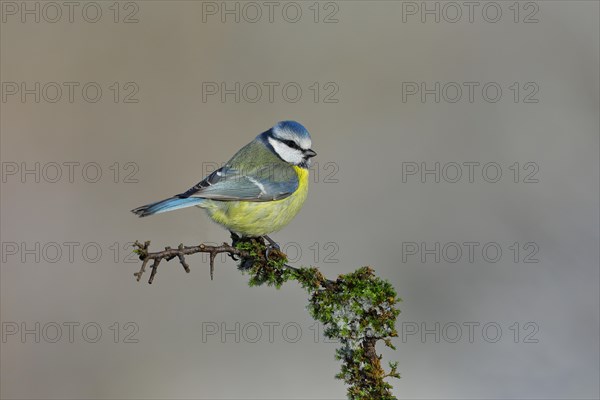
<point x="293" y="127"/>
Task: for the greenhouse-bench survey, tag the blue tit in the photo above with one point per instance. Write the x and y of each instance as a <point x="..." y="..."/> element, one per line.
<point x="259" y="191"/>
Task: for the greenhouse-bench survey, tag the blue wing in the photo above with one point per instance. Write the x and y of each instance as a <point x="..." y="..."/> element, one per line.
<point x="268" y="183"/>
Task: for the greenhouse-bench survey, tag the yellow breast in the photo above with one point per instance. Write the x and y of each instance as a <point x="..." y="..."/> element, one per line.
<point x="261" y="218"/>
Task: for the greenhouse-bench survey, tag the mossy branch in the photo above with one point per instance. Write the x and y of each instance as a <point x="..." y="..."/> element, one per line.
<point x="357" y="309"/>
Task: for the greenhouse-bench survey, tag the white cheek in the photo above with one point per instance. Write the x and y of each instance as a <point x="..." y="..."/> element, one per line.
<point x="288" y="154"/>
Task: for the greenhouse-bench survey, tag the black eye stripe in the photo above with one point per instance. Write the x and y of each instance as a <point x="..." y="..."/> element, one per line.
<point x="291" y="144"/>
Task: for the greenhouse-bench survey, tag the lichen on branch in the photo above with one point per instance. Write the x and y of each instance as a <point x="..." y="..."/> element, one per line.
<point x="357" y="309"/>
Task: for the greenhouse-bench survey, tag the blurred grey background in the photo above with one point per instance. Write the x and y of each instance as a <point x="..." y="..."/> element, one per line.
<point x="159" y="126"/>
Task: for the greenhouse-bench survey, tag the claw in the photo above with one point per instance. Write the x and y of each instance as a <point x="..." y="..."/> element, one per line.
<point x="272" y="246"/>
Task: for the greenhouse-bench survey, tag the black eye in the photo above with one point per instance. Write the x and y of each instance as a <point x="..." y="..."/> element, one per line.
<point x="292" y="144"/>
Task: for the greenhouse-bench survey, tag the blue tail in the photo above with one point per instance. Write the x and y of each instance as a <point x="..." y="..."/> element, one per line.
<point x="174" y="203"/>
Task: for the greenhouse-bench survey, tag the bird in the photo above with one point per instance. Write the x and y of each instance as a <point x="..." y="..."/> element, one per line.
<point x="258" y="191"/>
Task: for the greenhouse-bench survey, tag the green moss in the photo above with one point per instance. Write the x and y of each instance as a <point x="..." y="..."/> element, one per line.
<point x="271" y="271"/>
<point x="357" y="310"/>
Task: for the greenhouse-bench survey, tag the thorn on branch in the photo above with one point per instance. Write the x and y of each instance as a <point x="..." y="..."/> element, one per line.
<point x="185" y="265"/>
<point x="180" y="252"/>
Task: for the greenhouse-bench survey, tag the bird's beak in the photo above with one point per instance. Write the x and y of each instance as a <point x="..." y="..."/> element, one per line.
<point x="310" y="153"/>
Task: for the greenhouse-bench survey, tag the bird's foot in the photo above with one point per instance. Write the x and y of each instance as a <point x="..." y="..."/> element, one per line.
<point x="235" y="239"/>
<point x="245" y="265"/>
<point x="271" y="246"/>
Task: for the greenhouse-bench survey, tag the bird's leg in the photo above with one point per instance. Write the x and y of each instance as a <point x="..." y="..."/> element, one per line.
<point x="234" y="241"/>
<point x="235" y="238"/>
<point x="271" y="242"/>
<point x="272" y="245"/>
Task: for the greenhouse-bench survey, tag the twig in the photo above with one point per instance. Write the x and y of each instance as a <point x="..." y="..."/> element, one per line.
<point x="357" y="309"/>
<point x="180" y="252"/>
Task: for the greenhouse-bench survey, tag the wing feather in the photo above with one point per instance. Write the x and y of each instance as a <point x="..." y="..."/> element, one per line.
<point x="267" y="183"/>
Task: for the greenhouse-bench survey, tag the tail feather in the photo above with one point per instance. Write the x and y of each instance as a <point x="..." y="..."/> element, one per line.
<point x="173" y="203"/>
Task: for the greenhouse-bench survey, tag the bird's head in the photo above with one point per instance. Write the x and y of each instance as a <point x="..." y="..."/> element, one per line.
<point x="291" y="142"/>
